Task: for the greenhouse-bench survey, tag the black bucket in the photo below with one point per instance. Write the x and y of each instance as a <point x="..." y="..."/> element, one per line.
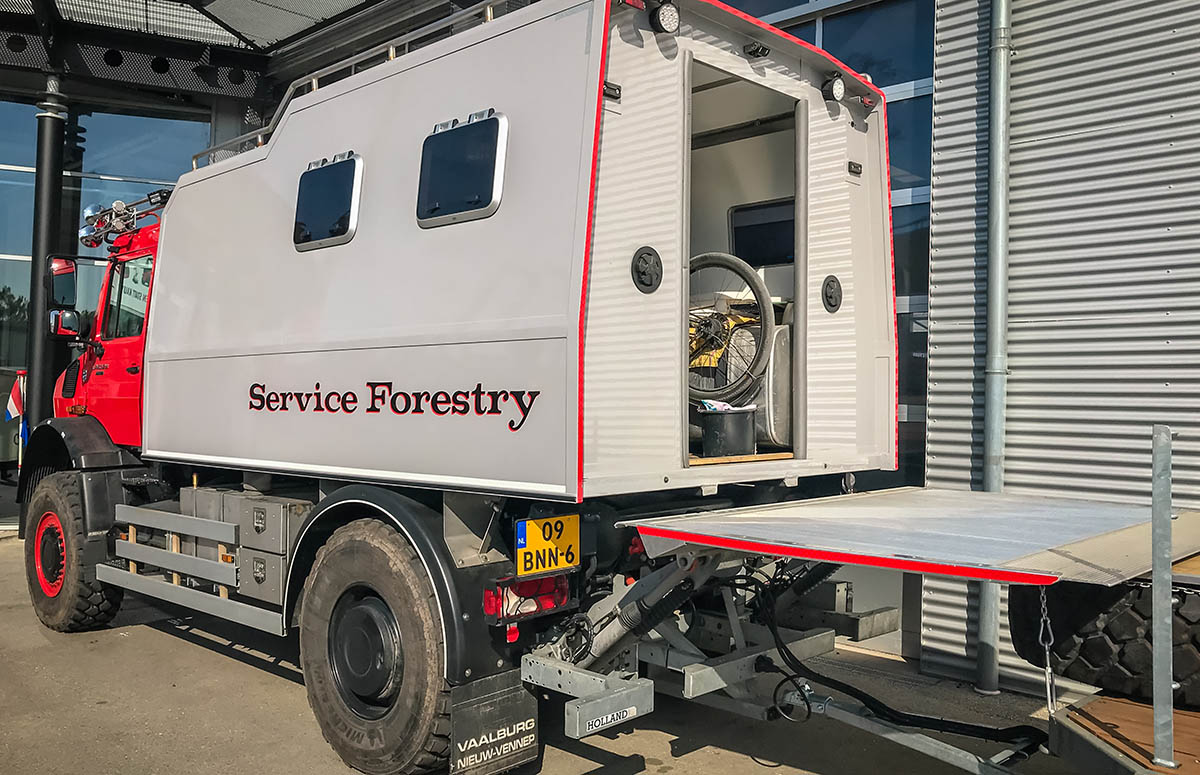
<point x="728" y="433"/>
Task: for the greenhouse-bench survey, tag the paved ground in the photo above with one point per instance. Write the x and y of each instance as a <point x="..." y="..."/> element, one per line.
<point x="162" y="693"/>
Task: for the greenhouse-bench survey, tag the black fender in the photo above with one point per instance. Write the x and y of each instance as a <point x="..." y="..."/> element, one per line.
<point x="473" y="649"/>
<point x="75" y="444"/>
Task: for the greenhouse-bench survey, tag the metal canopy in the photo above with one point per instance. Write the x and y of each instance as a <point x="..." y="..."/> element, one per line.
<point x="1022" y="539"/>
<point x="253" y="24"/>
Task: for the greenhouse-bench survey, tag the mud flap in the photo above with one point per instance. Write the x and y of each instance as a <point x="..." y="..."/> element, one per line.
<point x="493" y="725"/>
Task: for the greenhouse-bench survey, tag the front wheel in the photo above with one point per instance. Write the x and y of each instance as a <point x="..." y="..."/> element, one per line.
<point x="371" y="648"/>
<point x="64" y="591"/>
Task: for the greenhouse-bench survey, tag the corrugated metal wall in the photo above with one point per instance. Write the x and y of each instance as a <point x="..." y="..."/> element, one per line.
<point x="1104" y="336"/>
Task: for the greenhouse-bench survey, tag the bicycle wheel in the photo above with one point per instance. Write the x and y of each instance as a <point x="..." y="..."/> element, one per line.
<point x="730" y="321"/>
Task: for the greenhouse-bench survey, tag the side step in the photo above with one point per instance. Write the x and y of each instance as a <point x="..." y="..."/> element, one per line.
<point x="175" y="586"/>
<point x="224" y="608"/>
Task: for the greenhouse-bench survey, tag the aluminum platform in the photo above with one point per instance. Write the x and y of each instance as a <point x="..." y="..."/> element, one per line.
<point x="1020" y="539"/>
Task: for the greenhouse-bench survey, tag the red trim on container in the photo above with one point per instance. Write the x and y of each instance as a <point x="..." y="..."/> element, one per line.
<point x="846" y="558"/>
<point x="587" y="246"/>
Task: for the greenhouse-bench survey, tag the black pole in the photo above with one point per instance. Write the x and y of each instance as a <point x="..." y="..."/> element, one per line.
<point x="47" y="217"/>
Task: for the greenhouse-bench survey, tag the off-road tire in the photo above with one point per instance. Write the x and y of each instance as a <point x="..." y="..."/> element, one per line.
<point x="414" y="735"/>
<point x="79" y="601"/>
<point x="1102" y="637"/>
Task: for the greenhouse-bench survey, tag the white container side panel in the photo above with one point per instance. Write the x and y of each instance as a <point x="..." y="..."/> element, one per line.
<point x="1104" y="307"/>
<point x="634" y="372"/>
<point x="833" y="377"/>
<point x="489" y="304"/>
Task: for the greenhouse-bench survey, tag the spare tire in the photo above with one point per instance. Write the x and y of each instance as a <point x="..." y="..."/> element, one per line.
<point x="1102" y="636"/>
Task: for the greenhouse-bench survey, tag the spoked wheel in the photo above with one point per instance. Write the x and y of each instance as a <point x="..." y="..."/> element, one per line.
<point x="730" y="322"/>
<point x="63" y="589"/>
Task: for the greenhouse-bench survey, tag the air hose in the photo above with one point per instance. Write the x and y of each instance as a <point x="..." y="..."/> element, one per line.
<point x="1018" y="733"/>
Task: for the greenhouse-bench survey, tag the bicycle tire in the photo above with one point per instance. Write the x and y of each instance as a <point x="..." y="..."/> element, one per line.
<point x="739" y="387"/>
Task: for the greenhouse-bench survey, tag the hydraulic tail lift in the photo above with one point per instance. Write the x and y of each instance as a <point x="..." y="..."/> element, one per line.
<point x="760" y="670"/>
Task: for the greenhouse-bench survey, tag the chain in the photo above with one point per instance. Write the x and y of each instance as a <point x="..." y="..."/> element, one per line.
<point x="1046" y="638"/>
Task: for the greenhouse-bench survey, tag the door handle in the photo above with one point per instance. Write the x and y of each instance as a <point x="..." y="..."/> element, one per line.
<point x="133" y="369"/>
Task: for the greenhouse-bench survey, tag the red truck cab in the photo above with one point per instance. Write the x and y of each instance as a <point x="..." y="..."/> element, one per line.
<point x="105" y="381"/>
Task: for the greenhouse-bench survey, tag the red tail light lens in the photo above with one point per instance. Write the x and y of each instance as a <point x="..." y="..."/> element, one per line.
<point x="511" y="600"/>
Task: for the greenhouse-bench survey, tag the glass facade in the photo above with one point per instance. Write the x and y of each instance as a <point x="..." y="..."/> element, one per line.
<point x="892" y="42"/>
<point x="109" y="155"/>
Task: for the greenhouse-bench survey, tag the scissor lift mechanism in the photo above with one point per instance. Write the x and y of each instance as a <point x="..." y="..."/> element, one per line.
<point x="986" y="536"/>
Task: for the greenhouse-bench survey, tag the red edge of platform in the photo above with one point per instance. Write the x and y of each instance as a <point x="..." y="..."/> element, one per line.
<point x="846" y="558"/>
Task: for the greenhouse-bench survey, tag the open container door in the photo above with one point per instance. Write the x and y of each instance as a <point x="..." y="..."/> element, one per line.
<point x="1017" y="539"/>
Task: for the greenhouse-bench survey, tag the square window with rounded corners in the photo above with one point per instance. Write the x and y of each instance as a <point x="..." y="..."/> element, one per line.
<point x="462" y="172"/>
<point x="327" y="202"/>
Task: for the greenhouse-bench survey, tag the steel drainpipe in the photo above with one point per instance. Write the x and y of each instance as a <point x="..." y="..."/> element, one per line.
<point x="987" y="679"/>
<point x="47" y="216"/>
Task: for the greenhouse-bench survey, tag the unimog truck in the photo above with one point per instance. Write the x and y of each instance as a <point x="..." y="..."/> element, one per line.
<point x="534" y="358"/>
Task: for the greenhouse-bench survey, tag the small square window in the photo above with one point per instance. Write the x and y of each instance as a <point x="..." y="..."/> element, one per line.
<point x="327" y="203"/>
<point x="462" y="172"/>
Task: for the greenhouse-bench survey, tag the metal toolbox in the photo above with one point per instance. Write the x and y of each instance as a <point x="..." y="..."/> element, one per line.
<point x="265" y="522"/>
<point x="260" y="575"/>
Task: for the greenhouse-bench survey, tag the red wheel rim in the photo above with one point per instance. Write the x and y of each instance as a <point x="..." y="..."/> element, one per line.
<point x="49" y="554"/>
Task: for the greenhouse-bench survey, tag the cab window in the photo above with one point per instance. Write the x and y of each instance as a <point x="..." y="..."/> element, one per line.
<point x="128" y="296"/>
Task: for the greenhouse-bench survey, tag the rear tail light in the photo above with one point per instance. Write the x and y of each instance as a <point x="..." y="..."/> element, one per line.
<point x="511" y="600"/>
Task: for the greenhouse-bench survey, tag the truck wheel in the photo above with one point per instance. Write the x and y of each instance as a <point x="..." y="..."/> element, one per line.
<point x="65" y="593"/>
<point x="371" y="648"/>
<point x="1102" y="637"/>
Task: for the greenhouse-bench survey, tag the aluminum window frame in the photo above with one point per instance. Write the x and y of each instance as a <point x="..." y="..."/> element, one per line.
<point x="491" y="207"/>
<point x="355" y="202"/>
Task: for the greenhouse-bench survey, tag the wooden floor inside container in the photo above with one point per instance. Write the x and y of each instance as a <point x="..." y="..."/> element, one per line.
<point x="696" y="460"/>
<point x="1128" y="726"/>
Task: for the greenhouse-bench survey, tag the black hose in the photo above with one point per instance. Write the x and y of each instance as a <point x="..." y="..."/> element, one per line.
<point x="1019" y="733"/>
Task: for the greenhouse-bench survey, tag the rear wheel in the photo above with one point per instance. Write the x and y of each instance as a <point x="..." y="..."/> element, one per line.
<point x="371" y="648"/>
<point x="64" y="591"/>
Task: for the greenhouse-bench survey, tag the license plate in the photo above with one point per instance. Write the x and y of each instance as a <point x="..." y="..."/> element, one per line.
<point x="547" y="545"/>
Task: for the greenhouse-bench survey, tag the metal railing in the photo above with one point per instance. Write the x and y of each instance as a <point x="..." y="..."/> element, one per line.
<point x="310" y="83"/>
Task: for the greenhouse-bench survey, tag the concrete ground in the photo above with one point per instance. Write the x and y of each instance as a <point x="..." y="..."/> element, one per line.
<point x="161" y="691"/>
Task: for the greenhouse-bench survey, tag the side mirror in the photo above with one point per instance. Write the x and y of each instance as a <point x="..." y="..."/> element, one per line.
<point x="62" y="283"/>
<point x="64" y="323"/>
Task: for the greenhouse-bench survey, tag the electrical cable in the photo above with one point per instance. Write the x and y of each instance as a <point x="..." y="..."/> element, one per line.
<point x="791" y="678"/>
<point x="766" y="611"/>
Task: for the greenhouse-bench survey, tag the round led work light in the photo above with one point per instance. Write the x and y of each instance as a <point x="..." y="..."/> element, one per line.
<point x="834" y="89"/>
<point x="665" y="18"/>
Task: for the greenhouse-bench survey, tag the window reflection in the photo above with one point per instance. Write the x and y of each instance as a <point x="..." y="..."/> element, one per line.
<point x="140" y="146"/>
<point x="910" y="240"/>
<point x="910" y="132"/>
<point x="18" y="133"/>
<point x="14" y="312"/>
<point x="891" y="41"/>
<point x="16" y="211"/>
<point x="766" y="7"/>
<point x="806" y="31"/>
